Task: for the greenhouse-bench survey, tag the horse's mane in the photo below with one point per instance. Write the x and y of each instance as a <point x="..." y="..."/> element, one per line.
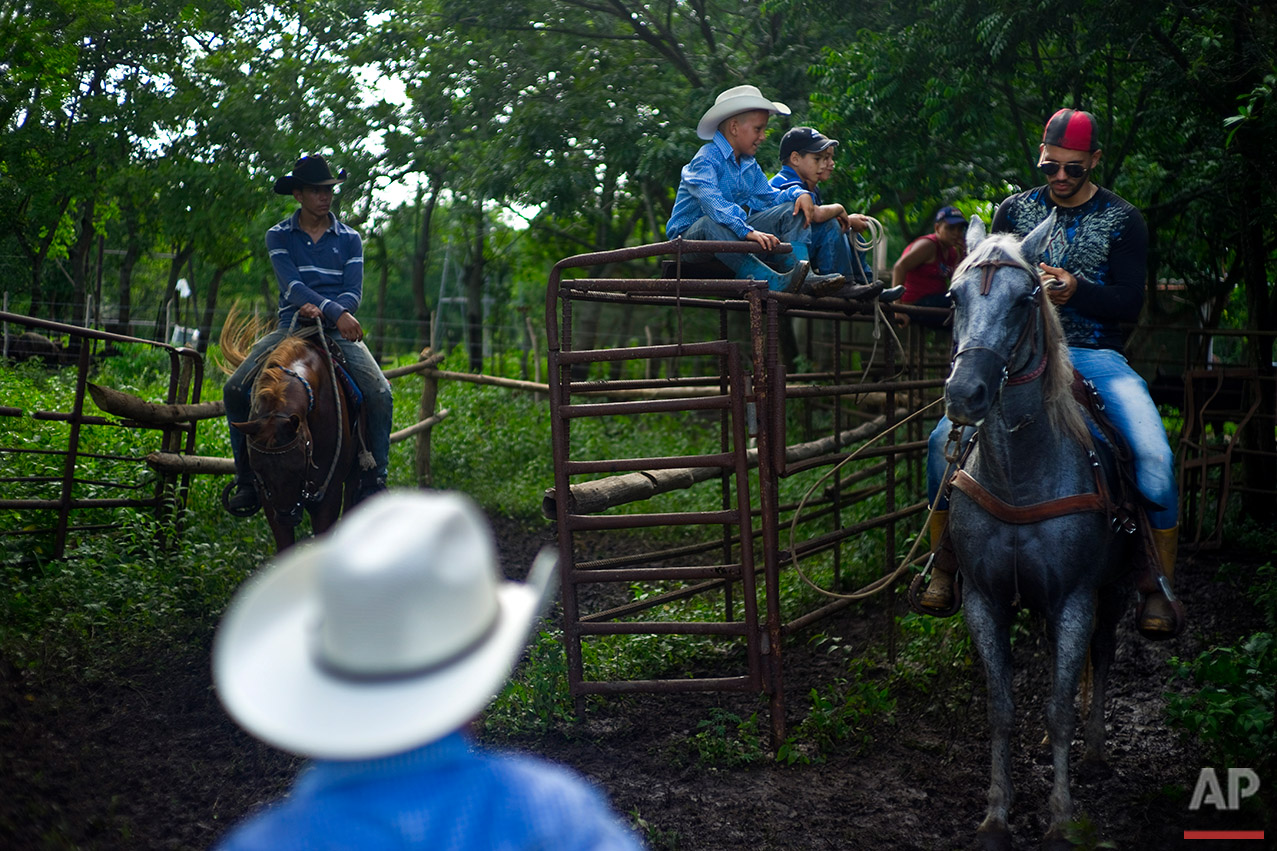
<point x="272" y="382"/>
<point x="1062" y="412"/>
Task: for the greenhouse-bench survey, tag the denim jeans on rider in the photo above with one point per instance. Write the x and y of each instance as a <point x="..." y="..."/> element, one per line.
<point x="778" y="220"/>
<point x="378" y="399"/>
<point x="831" y="253"/>
<point x="1132" y="412"/>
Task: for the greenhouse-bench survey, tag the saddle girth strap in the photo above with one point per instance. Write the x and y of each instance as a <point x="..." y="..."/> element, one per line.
<point x="1023" y="514"/>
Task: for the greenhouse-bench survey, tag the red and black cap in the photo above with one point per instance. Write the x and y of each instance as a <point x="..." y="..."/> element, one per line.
<point x="1072" y="129"/>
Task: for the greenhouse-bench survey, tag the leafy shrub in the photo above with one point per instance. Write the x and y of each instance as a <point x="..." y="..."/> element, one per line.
<point x="846" y="711"/>
<point x="1229" y="706"/>
<point x="536" y="698"/>
<point x="726" y="740"/>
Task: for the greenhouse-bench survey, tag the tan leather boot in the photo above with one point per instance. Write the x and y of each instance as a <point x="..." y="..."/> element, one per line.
<point x="1161" y="614"/>
<point x="938" y="594"/>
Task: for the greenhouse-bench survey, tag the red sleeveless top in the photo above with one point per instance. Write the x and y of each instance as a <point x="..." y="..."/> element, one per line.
<point x="930" y="278"/>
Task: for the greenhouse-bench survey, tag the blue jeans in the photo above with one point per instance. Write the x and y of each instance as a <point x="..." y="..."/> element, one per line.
<point x="1132" y="412"/>
<point x="831" y="253"/>
<point x="378" y="399"/>
<point x="778" y="220"/>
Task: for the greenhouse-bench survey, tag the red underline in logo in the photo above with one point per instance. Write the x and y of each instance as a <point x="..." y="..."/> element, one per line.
<point x="1223" y="834"/>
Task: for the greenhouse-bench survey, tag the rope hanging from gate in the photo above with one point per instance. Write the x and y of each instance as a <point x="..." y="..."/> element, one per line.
<point x="881" y="582"/>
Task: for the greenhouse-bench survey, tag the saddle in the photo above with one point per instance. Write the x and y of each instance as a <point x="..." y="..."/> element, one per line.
<point x="354" y="395"/>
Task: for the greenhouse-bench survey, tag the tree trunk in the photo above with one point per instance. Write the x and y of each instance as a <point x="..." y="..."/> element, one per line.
<point x="80" y="264"/>
<point x="474" y="292"/>
<point x="420" y="258"/>
<point x="1261" y="467"/>
<point x="125" y="295"/>
<point x="210" y="307"/>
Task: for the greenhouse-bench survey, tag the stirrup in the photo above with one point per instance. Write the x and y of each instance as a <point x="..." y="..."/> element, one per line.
<point x="1175" y="617"/>
<point x="243" y="510"/>
<point x="920" y="582"/>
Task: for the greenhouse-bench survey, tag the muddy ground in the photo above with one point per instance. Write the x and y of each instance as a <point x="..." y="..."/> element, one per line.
<point x="147" y="760"/>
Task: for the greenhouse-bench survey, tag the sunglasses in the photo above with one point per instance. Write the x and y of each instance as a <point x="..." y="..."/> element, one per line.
<point x="1073" y="170"/>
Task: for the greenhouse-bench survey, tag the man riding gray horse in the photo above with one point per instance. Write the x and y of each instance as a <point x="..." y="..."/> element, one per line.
<point x="1094" y="267"/>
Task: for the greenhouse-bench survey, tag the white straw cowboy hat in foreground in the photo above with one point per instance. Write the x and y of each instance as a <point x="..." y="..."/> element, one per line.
<point x="733" y="102"/>
<point x="391" y="632"/>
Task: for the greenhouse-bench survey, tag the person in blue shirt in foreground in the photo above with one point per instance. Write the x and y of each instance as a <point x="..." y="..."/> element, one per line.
<point x="369" y="650"/>
<point x="723" y="195"/>
<point x="319" y="267"/>
<point x="807" y="158"/>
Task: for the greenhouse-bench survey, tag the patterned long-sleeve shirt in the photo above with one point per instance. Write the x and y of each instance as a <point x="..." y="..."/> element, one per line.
<point x="328" y="274"/>
<point x="714" y="184"/>
<point x="1104" y="244"/>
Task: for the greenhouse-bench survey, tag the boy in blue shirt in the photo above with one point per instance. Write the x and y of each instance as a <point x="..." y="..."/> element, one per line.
<point x="807" y="158"/>
<point x="368" y="651"/>
<point x="723" y="195"/>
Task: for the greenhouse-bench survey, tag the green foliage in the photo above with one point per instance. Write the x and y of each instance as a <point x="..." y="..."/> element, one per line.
<point x="1230" y="707"/>
<point x="1227" y="693"/>
<point x="536" y="698"/>
<point x="1084" y="833"/>
<point x="846" y="711"/>
<point x="931" y="651"/>
<point x="653" y="837"/>
<point x="726" y="740"/>
<point x="117" y="596"/>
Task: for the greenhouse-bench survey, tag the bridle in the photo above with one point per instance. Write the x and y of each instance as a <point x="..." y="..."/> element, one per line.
<point x="301" y="441"/>
<point x="1027" y="336"/>
<point x="1100" y="500"/>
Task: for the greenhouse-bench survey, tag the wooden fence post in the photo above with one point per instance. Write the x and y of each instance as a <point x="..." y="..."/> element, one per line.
<point x="429" y="393"/>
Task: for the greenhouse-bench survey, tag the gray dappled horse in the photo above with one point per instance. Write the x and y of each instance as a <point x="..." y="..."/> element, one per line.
<point x="1030" y="518"/>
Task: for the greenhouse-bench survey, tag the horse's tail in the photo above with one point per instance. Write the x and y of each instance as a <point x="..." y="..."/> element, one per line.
<point x="239" y="332"/>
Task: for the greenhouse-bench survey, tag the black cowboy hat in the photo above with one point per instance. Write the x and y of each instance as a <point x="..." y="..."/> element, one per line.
<point x="310" y="170"/>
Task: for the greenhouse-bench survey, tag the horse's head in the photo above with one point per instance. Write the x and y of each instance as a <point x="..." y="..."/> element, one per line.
<point x="996" y="298"/>
<point x="279" y="442"/>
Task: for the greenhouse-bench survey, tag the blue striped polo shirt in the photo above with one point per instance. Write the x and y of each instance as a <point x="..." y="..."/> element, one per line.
<point x="328" y="273"/>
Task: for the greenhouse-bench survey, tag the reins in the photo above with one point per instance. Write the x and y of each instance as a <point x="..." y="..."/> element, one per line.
<point x="309" y="495"/>
<point x="1101" y="500"/>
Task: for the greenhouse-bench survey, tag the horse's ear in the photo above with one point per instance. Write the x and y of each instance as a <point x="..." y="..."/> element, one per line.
<point x="1034" y="245"/>
<point x="251" y="427"/>
<point x="975" y="233"/>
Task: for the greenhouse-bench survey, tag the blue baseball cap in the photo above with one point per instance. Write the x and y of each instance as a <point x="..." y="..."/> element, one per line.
<point x="951" y="216"/>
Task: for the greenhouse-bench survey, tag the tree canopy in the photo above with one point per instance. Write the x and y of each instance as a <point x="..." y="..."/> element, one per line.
<point x="154" y="131"/>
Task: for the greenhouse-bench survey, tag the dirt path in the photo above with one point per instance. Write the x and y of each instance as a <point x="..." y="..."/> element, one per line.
<point x="147" y="760"/>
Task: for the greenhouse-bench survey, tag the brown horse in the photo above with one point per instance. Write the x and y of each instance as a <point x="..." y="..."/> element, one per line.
<point x="302" y="444"/>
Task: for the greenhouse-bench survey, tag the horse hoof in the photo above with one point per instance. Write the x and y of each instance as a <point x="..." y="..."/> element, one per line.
<point x="998" y="839"/>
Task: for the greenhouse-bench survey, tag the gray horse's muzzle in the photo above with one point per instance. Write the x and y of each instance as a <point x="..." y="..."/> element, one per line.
<point x="973" y="385"/>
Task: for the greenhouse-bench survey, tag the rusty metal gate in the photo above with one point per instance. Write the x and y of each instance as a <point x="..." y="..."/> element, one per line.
<point x="745" y="384"/>
<point x="76" y="495"/>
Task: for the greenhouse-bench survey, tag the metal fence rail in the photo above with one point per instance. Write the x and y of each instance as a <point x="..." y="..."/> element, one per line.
<point x="737" y="372"/>
<point x="186" y="377"/>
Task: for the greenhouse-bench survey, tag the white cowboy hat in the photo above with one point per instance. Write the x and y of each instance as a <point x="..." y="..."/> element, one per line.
<point x="391" y="632"/>
<point x="733" y="101"/>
